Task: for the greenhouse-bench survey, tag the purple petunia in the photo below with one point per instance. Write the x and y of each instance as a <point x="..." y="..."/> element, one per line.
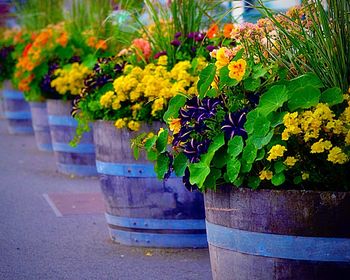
<point x="194" y="149"/>
<point x="159" y="54"/>
<point x="233" y="125"/>
<point x="175" y="43"/>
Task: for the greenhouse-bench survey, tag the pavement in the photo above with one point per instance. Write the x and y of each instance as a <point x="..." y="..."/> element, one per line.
<point x="52" y="226"/>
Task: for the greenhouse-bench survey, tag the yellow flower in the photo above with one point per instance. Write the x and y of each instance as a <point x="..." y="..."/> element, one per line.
<point x="347" y="138"/>
<point x="120" y="123"/>
<point x="336" y="155"/>
<point x="116" y="104"/>
<point x="320" y="146"/>
<point x="237" y="69"/>
<point x="276" y="151"/>
<point x="290" y="161"/>
<point x="265" y="175"/>
<point x="290" y="121"/>
<point x="175" y="125"/>
<point x="106" y="100"/>
<point x="163" y="60"/>
<point x="158" y="105"/>
<point x="305" y="175"/>
<point x="222" y="57"/>
<point x="133" y="125"/>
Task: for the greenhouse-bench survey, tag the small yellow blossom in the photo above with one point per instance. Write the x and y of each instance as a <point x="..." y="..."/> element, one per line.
<point x="175" y="125"/>
<point x="237" y="69"/>
<point x="290" y="161"/>
<point x="106" y="100"/>
<point x="163" y="60"/>
<point x="320" y="146"/>
<point x="223" y="58"/>
<point x="305" y="176"/>
<point x="276" y="151"/>
<point x="265" y="175"/>
<point x="120" y="123"/>
<point x="336" y="155"/>
<point x="133" y="125"/>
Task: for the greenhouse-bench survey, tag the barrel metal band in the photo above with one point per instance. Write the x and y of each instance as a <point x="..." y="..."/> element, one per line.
<point x="62" y="120"/>
<point x="80" y="148"/>
<point x="127" y="169"/>
<point x="279" y="246"/>
<point x="13" y="94"/>
<point x="19" y="115"/>
<point x="189" y="224"/>
<point x="77" y="169"/>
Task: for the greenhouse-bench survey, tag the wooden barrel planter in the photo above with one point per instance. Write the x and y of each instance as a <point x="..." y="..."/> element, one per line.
<point x="41" y="126"/>
<point x="140" y="209"/>
<point x="16" y="111"/>
<point x="271" y="234"/>
<point x="79" y="160"/>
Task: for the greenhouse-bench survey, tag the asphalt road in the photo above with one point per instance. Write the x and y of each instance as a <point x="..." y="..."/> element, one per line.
<point x="36" y="244"/>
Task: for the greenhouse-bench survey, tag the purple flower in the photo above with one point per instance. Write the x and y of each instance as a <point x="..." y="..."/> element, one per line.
<point x="194" y="149"/>
<point x="233" y="125"/>
<point x="175" y="43"/>
<point x="191" y="35"/>
<point x="75" y="58"/>
<point x="199" y="37"/>
<point x="158" y="54"/>
<point x="177" y="35"/>
<point x="210" y="48"/>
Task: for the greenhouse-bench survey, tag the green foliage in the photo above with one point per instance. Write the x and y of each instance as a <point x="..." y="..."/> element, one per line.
<point x="205" y="79"/>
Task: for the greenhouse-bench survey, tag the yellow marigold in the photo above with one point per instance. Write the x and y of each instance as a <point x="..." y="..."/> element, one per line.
<point x="116" y="104"/>
<point x="265" y="175"/>
<point x="290" y="121"/>
<point x="175" y="125"/>
<point x="163" y="60"/>
<point x="305" y="176"/>
<point x="336" y="155"/>
<point x="106" y="100"/>
<point x="347" y="138"/>
<point x="133" y="125"/>
<point x="290" y="161"/>
<point x="237" y="69"/>
<point x="120" y="123"/>
<point x="276" y="151"/>
<point x="321" y="146"/>
<point x="336" y="126"/>
<point x="158" y="105"/>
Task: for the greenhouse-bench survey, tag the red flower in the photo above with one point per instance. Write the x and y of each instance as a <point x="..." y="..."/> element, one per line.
<point x="212" y="31"/>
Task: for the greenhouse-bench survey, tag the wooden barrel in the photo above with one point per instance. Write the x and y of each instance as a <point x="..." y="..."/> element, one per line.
<point x="272" y="234"/>
<point x="79" y="160"/>
<point x="41" y="126"/>
<point x="140" y="209"/>
<point x="16" y="111"/>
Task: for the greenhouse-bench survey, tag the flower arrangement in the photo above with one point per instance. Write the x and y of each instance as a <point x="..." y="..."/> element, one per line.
<point x="253" y="125"/>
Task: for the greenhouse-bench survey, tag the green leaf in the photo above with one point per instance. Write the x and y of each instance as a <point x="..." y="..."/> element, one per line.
<point x="217" y="143"/>
<point x="238" y="55"/>
<point x="254" y="182"/>
<point x="249" y="153"/>
<point x="162" y="165"/>
<point x="249" y="124"/>
<point x="198" y="173"/>
<point x="260" y="142"/>
<point x="212" y="92"/>
<point x="245" y="166"/>
<point x="233" y="167"/>
<point x="332" y="96"/>
<point x="238" y="182"/>
<point x="297" y="180"/>
<point x="277" y="118"/>
<point x="180" y="164"/>
<point x="279" y="167"/>
<point x="235" y="146"/>
<point x="273" y="99"/>
<point x="260" y="155"/>
<point x="258" y="71"/>
<point x="206" y="77"/>
<point x="304" y="98"/>
<point x="225" y="79"/>
<point x="220" y="158"/>
<point x="261" y="126"/>
<point x="278" y="179"/>
<point x="252" y="84"/>
<point x="150" y="142"/>
<point x="152" y="155"/>
<point x="90" y="61"/>
<point x="162" y="141"/>
<point x="308" y="79"/>
<point x="210" y="181"/>
<point x="175" y="104"/>
<point x="136" y="152"/>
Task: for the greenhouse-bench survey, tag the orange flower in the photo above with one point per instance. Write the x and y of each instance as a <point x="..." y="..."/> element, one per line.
<point x="237" y="69"/>
<point x="101" y="44"/>
<point x="92" y="41"/>
<point x="27" y="49"/>
<point x="228" y="27"/>
<point x="63" y="39"/>
<point x="212" y="31"/>
<point x="143" y="48"/>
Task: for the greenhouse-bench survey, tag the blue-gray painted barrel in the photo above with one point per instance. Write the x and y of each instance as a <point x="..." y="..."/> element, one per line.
<point x="16" y="111"/>
<point x="79" y="160"/>
<point x="140" y="209"/>
<point x="278" y="234"/>
<point x="41" y="126"/>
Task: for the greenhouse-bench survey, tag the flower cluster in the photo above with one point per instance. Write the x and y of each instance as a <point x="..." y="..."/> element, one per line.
<point x="70" y="80"/>
<point x="143" y="94"/>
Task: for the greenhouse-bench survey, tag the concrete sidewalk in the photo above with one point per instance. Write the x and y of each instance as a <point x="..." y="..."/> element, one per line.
<point x="35" y="243"/>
